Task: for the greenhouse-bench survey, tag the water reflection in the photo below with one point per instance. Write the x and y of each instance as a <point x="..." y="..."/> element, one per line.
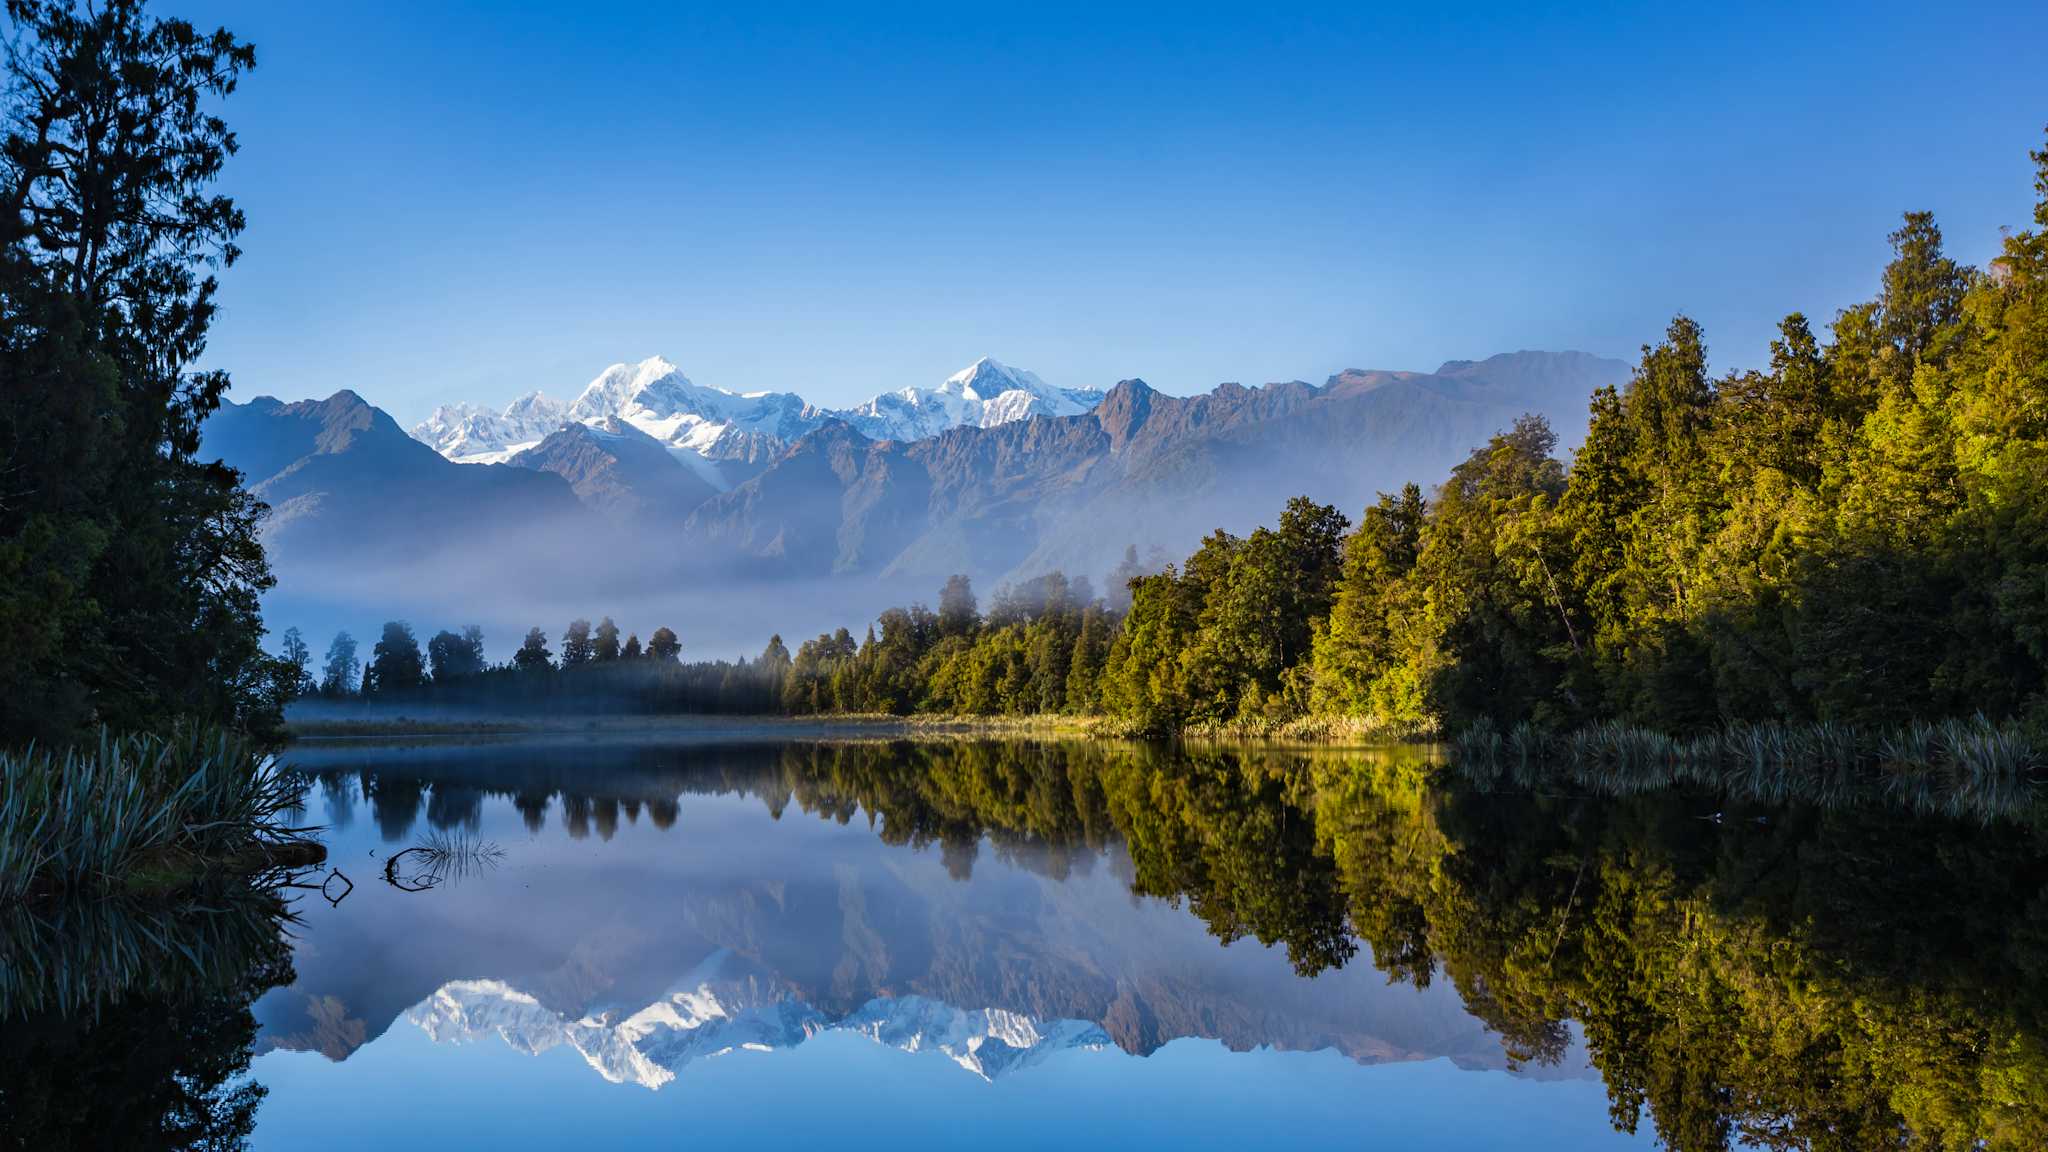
<point x="129" y="1026"/>
<point x="1789" y="976"/>
<point x="1780" y="976"/>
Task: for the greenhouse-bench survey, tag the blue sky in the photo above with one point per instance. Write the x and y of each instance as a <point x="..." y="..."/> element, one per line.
<point x="458" y="201"/>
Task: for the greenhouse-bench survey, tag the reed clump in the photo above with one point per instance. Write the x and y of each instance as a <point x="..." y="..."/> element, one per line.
<point x="1967" y="769"/>
<point x="144" y="812"/>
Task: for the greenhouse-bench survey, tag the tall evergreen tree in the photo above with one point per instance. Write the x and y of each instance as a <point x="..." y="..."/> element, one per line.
<point x="129" y="570"/>
<point x="577" y="648"/>
<point x="959" y="614"/>
<point x="533" y="654"/>
<point x="298" y="661"/>
<point x="338" y="675"/>
<point x="395" y="664"/>
<point x="663" y="645"/>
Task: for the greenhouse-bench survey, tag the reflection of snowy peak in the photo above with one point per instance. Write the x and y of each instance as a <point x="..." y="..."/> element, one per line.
<point x="650" y="1046"/>
<point x="986" y="1041"/>
<point x="712" y="423"/>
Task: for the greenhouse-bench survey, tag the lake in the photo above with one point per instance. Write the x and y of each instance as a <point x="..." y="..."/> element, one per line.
<point x="597" y="941"/>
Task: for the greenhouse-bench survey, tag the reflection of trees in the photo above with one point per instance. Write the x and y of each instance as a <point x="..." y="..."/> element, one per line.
<point x="1823" y="980"/>
<point x="129" y="1027"/>
<point x="395" y="802"/>
<point x="1789" y="977"/>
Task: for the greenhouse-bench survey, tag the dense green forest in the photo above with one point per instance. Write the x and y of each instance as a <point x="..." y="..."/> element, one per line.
<point x="130" y="570"/>
<point x="1857" y="534"/>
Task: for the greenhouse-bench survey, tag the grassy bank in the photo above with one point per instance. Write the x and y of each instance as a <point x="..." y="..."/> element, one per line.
<point x="1971" y="769"/>
<point x="143" y="814"/>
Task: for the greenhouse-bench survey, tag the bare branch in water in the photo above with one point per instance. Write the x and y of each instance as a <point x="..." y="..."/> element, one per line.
<point x="443" y="858"/>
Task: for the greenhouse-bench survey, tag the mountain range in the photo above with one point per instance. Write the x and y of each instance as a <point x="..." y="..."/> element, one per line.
<point x="726" y="436"/>
<point x="648" y="488"/>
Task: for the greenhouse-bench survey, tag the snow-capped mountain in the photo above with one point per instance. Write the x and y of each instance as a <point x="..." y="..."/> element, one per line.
<point x="716" y="1016"/>
<point x="982" y="395"/>
<point x="699" y="423"/>
<point x="473" y="434"/>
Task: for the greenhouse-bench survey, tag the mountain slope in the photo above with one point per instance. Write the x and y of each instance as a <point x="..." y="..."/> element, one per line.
<point x="340" y="475"/>
<point x="1139" y="469"/>
<point x="368" y="524"/>
<point x="619" y="470"/>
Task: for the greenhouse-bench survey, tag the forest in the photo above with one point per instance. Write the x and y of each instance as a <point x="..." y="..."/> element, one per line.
<point x="1855" y="535"/>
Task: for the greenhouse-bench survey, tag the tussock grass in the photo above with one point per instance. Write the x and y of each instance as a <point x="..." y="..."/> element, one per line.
<point x="128" y="811"/>
<point x="1966" y="769"/>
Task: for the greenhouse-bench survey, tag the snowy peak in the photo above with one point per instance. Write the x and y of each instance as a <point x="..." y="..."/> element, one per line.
<point x="988" y="377"/>
<point x="984" y="394"/>
<point x="700" y="423"/>
<point x="473" y="434"/>
<point x="716" y="1016"/>
<point x="621" y="384"/>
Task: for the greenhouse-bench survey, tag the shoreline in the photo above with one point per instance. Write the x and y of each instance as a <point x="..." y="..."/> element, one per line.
<point x="325" y="730"/>
<point x="333" y="733"/>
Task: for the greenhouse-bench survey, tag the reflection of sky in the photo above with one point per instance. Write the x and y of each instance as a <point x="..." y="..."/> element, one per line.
<point x="844" y="1091"/>
<point x="611" y="920"/>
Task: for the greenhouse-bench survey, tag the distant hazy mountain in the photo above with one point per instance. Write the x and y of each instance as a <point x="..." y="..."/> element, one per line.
<point x="1140" y="468"/>
<point x="616" y="468"/>
<point x="651" y="493"/>
<point x="368" y="524"/>
<point x="341" y="476"/>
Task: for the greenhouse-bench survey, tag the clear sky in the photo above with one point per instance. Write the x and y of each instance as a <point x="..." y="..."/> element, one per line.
<point x="460" y="201"/>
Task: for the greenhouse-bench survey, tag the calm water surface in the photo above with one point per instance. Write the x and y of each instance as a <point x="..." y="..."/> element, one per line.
<point x="562" y="942"/>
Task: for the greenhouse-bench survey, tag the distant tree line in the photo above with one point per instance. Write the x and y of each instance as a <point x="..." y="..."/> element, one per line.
<point x="595" y="671"/>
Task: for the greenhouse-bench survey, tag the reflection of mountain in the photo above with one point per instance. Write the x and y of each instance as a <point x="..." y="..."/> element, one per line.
<point x="822" y="916"/>
<point x="1795" y="976"/>
<point x="718" y="1015"/>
